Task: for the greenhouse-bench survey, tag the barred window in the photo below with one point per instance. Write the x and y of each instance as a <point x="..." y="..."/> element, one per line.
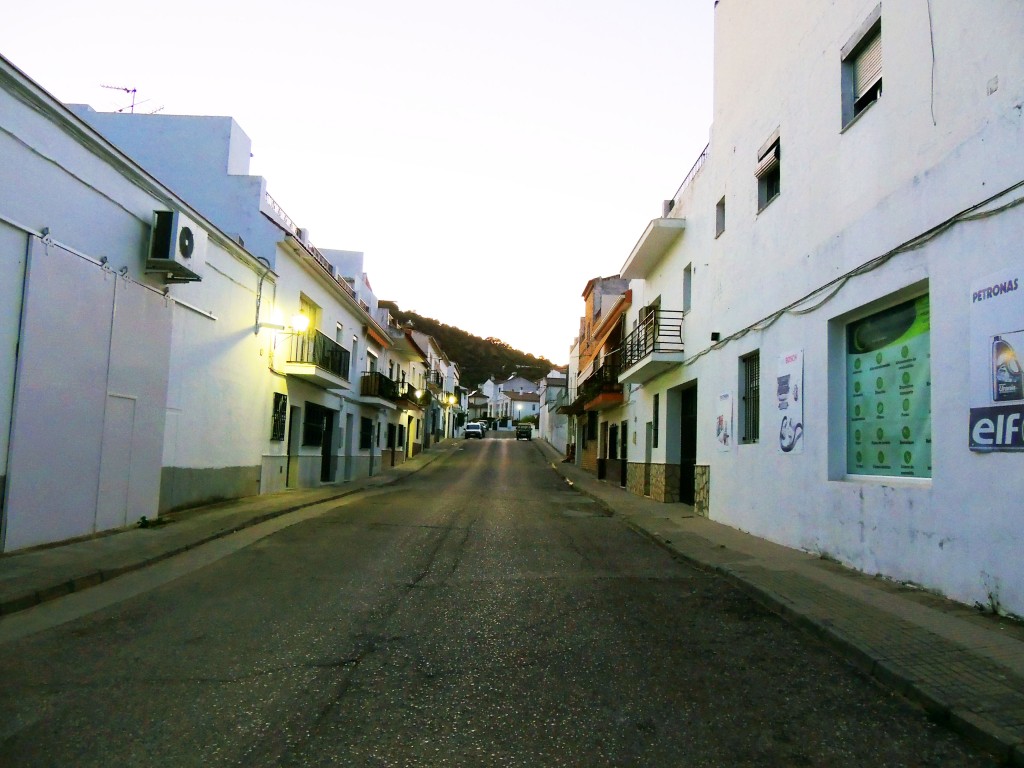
<point x="279" y="416"/>
<point x="750" y="402"/>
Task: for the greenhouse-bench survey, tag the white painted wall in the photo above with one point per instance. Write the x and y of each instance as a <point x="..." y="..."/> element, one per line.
<point x="847" y="197"/>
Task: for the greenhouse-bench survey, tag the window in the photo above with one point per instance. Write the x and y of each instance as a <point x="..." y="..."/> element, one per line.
<point x="279" y="416"/>
<point x="861" y="76"/>
<point x="888" y="392"/>
<point x="371" y="362"/>
<point x="314" y="421"/>
<point x="591" y="425"/>
<point x="687" y="286"/>
<point x="720" y="217"/>
<point x="311" y="310"/>
<point x="365" y="433"/>
<point x="750" y="400"/>
<point x="655" y="420"/>
<point x="769" y="177"/>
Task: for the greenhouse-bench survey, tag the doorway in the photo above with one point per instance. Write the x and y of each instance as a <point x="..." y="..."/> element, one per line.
<point x="687" y="444"/>
<point x="291" y="477"/>
<point x="328" y="459"/>
<point x="623" y="442"/>
<point x="348" y="446"/>
<point x="648" y="457"/>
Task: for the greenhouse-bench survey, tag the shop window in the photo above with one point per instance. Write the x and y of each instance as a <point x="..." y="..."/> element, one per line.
<point x="888" y="392"/>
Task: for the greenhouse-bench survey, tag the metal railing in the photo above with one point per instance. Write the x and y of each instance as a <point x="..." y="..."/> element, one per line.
<point x="604" y="379"/>
<point x="435" y="380"/>
<point x="660" y="331"/>
<point x="376" y="384"/>
<point x="405" y="390"/>
<point x="693" y="172"/>
<point x="313" y="347"/>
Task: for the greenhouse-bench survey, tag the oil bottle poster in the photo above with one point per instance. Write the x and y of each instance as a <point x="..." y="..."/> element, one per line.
<point x="723" y="422"/>
<point x="789" y="390"/>
<point x="997" y="348"/>
<point x="888" y="392"/>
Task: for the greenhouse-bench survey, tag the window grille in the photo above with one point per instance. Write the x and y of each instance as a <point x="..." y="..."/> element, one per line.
<point x="279" y="417"/>
<point x="751" y="397"/>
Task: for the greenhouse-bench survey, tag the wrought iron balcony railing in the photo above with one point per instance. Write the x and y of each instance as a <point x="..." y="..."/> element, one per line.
<point x="435" y="380"/>
<point x="376" y="384"/>
<point x="313" y="347"/>
<point x="603" y="379"/>
<point x="660" y="331"/>
<point x="406" y="391"/>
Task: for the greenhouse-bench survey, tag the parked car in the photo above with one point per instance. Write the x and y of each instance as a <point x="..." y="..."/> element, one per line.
<point x="524" y="431"/>
<point x="474" y="430"/>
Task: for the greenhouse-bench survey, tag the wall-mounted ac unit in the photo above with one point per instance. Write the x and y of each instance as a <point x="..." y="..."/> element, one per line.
<point x="303" y="235"/>
<point x="177" y="246"/>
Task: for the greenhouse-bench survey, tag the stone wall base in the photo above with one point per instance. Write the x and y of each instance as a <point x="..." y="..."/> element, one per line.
<point x="664" y="481"/>
<point x="702" y="490"/>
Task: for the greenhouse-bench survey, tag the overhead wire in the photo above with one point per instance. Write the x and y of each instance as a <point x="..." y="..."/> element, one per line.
<point x="972" y="213"/>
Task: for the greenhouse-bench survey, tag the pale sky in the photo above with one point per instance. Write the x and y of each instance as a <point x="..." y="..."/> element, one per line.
<point x="489" y="159"/>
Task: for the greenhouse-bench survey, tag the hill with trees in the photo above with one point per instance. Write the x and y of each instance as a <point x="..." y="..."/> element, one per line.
<point x="478" y="359"/>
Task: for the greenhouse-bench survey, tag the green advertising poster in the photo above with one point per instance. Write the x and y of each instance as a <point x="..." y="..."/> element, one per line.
<point x="888" y="392"/>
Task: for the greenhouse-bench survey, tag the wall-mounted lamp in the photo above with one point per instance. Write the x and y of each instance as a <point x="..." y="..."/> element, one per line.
<point x="299" y="324"/>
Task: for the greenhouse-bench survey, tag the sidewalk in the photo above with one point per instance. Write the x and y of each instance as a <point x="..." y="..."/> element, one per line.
<point x="964" y="668"/>
<point x="34" y="576"/>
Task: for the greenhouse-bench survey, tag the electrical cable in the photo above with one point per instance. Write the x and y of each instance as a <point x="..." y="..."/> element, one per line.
<point x="972" y="213"/>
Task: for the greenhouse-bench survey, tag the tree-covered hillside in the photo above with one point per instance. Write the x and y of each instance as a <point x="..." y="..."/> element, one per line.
<point x="478" y="359"/>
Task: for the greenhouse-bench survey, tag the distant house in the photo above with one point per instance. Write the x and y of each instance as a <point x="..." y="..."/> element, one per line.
<point x="552" y="425"/>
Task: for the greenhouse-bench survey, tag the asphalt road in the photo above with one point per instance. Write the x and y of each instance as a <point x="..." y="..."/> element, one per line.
<point x="480" y="613"/>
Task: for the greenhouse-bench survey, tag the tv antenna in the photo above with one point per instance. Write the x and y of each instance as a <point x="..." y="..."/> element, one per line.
<point x="130" y="91"/>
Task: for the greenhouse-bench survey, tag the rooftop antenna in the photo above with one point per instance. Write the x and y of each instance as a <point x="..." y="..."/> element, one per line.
<point x="130" y="91"/>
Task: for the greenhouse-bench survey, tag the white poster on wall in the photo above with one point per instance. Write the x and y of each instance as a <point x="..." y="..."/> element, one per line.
<point x="723" y="422"/>
<point x="996" y="379"/>
<point x="790" y="402"/>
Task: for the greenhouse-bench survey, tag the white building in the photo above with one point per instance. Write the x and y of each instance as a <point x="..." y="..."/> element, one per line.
<point x="866" y="172"/>
<point x="552" y="425"/>
<point x="112" y="287"/>
<point x="334" y="415"/>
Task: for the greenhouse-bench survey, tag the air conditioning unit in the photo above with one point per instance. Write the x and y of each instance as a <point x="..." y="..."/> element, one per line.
<point x="303" y="235"/>
<point x="177" y="246"/>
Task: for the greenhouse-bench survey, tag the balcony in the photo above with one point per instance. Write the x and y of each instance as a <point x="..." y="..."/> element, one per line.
<point x="406" y="396"/>
<point x="602" y="390"/>
<point x="376" y="386"/>
<point x="318" y="360"/>
<point x="653" y="348"/>
<point x="435" y="382"/>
